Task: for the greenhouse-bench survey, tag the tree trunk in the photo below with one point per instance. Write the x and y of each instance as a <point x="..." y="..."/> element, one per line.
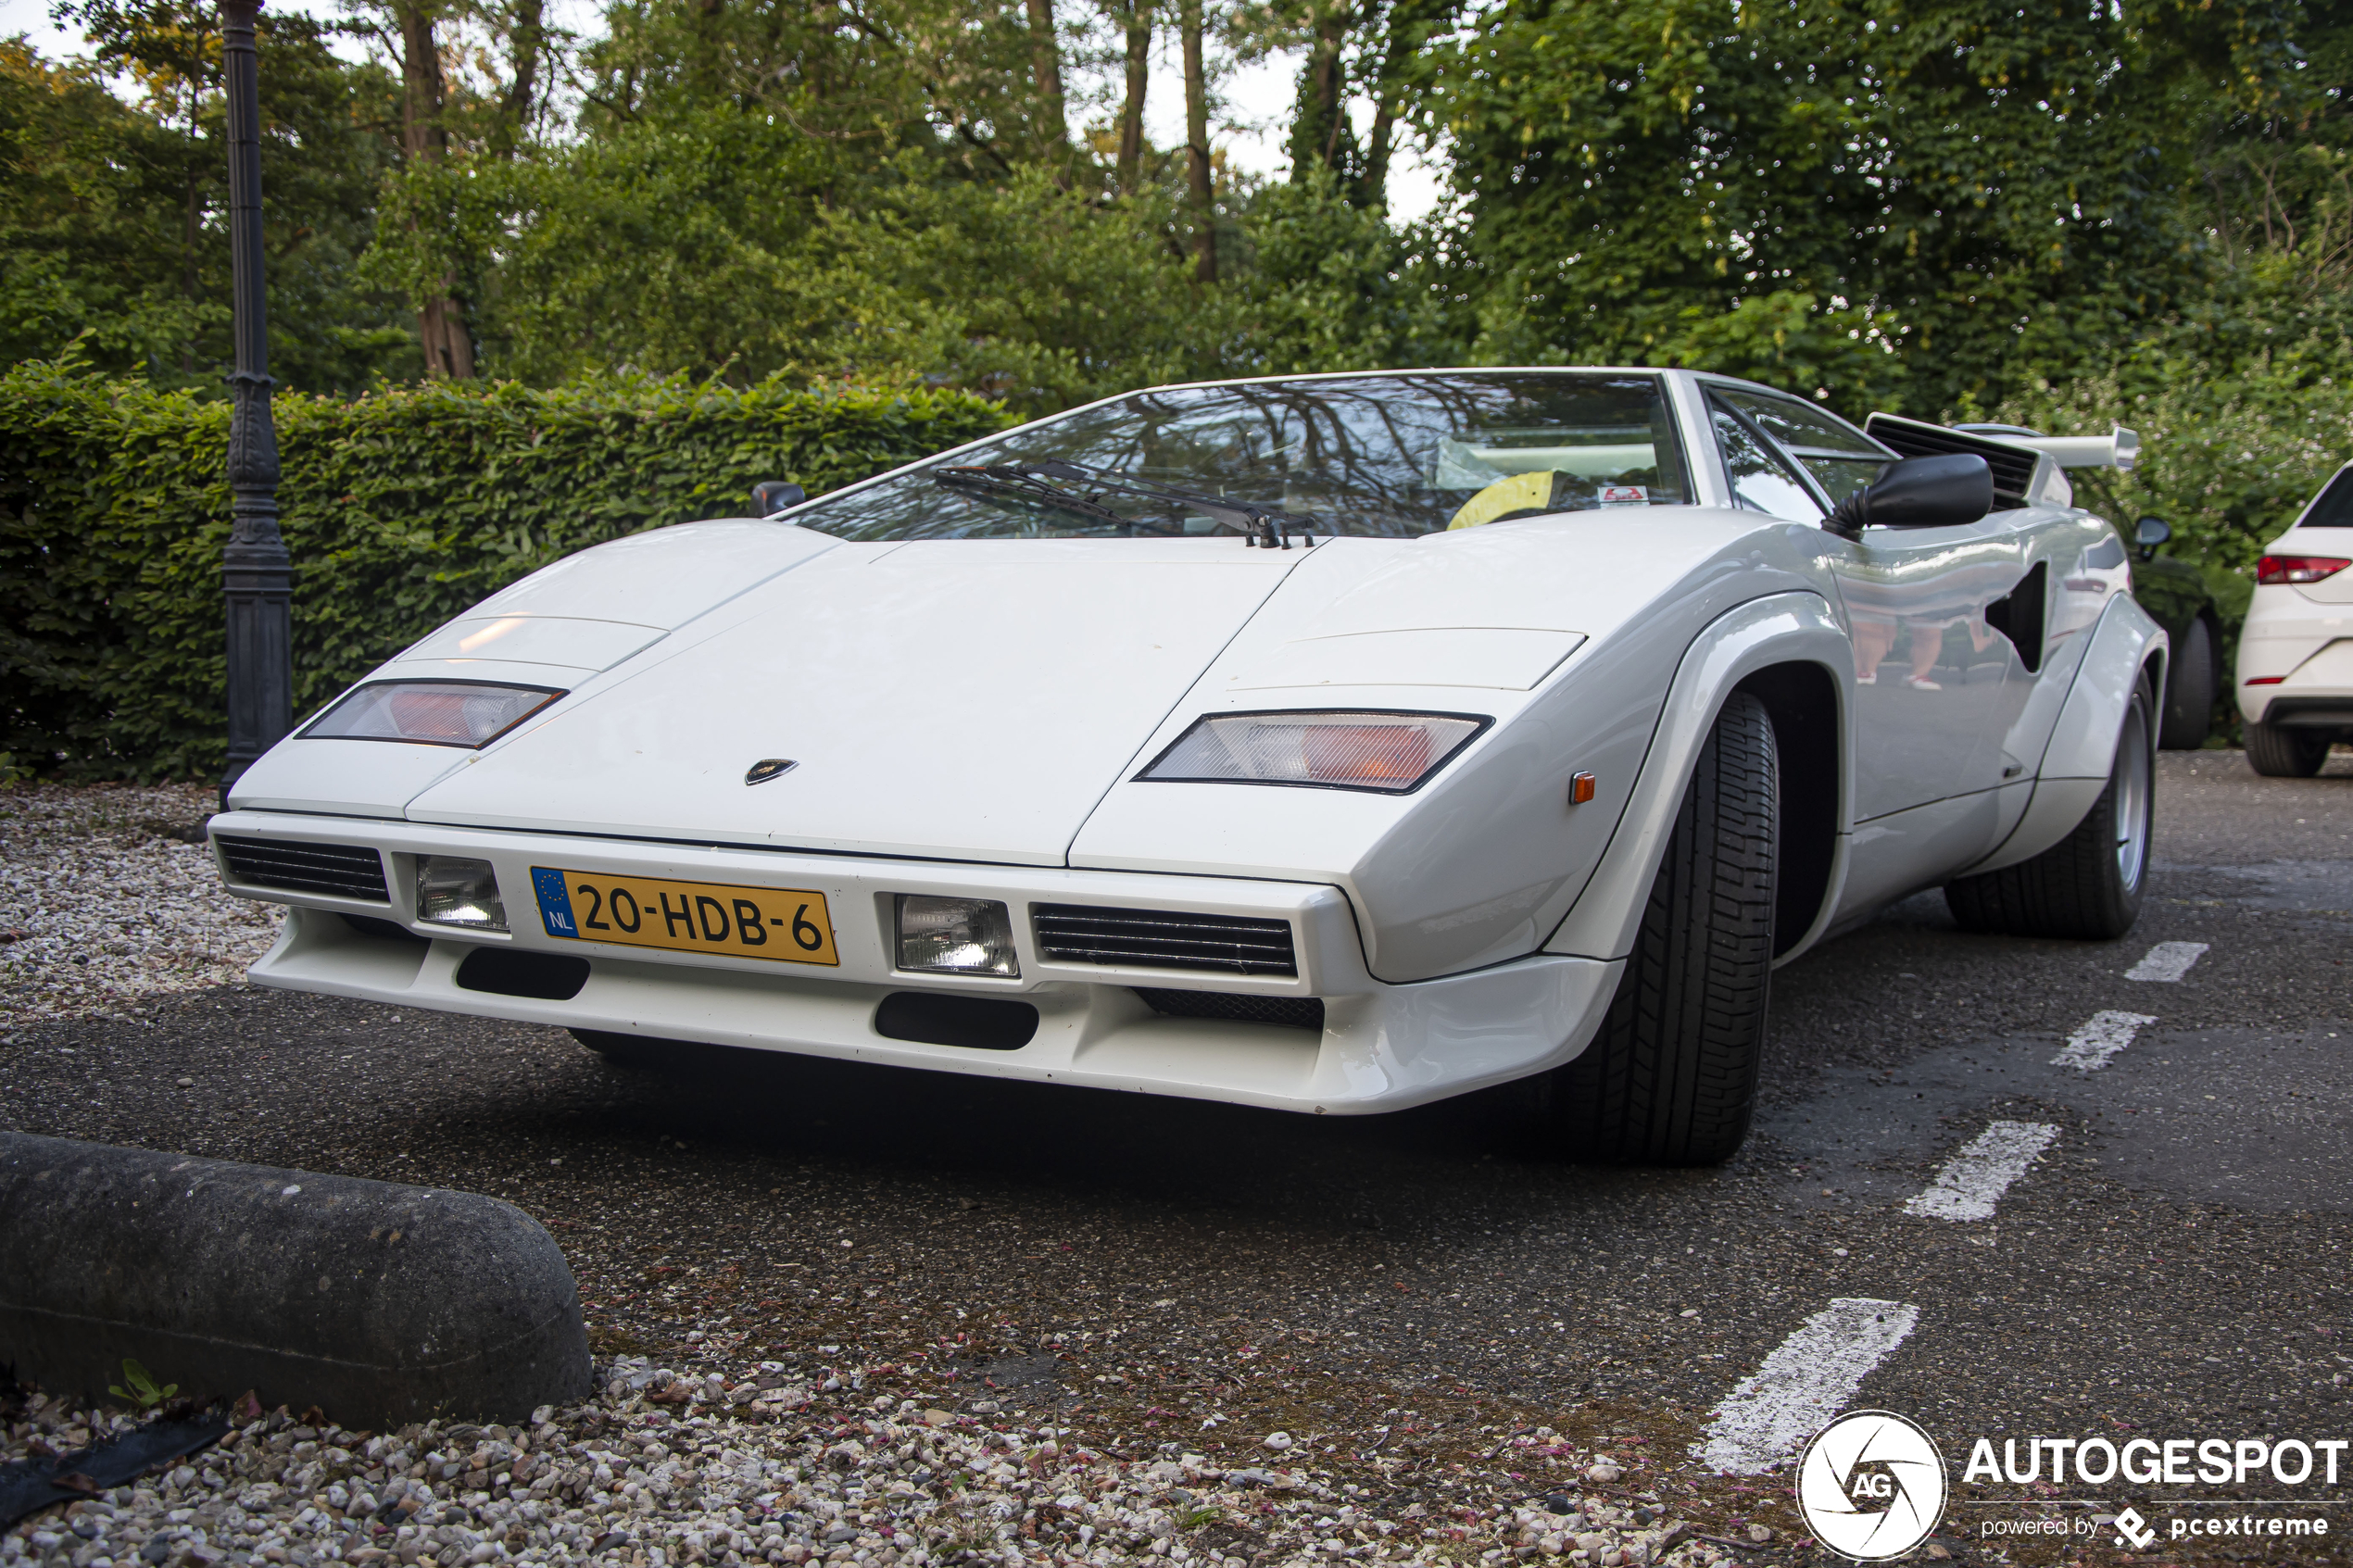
<point x="1045" y="55"/>
<point x="1372" y="187"/>
<point x="1320" y="136"/>
<point x="441" y="321"/>
<point x="1131" y="108"/>
<point x="1189" y="24"/>
<point x="526" y="36"/>
<point x="1407" y="31"/>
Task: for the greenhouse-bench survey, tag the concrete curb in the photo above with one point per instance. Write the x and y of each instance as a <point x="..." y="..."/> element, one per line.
<point x="379" y="1303"/>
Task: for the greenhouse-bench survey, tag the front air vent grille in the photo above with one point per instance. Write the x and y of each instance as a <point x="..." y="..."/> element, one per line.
<point x="1291" y="1013"/>
<point x="1164" y="939"/>
<point x="2013" y="466"/>
<point x="346" y="870"/>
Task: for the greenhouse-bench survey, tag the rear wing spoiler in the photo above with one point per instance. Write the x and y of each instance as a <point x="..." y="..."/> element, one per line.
<point x="2028" y="469"/>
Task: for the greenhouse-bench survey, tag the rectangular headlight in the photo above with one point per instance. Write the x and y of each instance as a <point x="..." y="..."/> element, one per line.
<point x="956" y="935"/>
<point x="455" y="892"/>
<point x="466" y="713"/>
<point x="1389" y="753"/>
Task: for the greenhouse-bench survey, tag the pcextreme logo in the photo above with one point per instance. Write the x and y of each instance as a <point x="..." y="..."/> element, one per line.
<point x="1871" y="1485"/>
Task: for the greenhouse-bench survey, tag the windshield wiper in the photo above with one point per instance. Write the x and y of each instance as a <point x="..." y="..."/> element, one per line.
<point x="1269" y="526"/>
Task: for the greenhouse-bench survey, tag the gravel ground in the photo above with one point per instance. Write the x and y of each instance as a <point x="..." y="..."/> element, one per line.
<point x="769" y="1463"/>
<point x="108" y="894"/>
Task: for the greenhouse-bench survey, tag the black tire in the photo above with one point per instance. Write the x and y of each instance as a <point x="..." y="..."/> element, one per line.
<point x="2189" y="693"/>
<point x="1671" y="1078"/>
<point x="2087" y="886"/>
<point x="621" y="1050"/>
<point x="2278" y="753"/>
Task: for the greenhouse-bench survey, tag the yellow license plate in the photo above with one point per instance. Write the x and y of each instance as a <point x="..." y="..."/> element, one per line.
<point x="789" y="925"/>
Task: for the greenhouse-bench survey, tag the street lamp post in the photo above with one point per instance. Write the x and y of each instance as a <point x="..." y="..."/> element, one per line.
<point x="257" y="575"/>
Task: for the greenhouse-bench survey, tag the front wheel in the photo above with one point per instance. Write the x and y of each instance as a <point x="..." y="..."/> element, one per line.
<point x="2087" y="886"/>
<point x="1671" y="1078"/>
<point x="2278" y="753"/>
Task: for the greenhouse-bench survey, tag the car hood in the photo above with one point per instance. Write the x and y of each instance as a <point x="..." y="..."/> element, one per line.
<point x="955" y="699"/>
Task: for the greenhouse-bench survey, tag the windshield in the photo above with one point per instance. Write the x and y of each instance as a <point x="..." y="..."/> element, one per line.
<point x="1390" y="455"/>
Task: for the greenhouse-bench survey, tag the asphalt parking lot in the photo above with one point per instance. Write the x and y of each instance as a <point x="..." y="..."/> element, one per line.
<point x="1407" y="1294"/>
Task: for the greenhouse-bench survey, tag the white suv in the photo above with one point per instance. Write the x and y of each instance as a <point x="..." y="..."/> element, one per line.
<point x="2296" y="656"/>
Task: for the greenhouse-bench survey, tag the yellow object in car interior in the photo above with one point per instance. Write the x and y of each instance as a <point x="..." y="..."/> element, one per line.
<point x="1522" y="494"/>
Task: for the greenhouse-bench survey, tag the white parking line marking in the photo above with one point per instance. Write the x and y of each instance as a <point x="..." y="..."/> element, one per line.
<point x="2167" y="960"/>
<point x="1808" y="1379"/>
<point x="1975" y="1178"/>
<point x="2100" y="1038"/>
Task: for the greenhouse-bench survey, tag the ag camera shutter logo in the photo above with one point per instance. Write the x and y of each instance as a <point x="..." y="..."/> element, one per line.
<point x="1871" y="1485"/>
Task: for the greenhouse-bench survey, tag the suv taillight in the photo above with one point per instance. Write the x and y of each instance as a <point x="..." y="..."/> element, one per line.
<point x="2273" y="569"/>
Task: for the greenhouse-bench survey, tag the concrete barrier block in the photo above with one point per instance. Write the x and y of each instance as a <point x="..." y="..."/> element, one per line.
<point x="379" y="1303"/>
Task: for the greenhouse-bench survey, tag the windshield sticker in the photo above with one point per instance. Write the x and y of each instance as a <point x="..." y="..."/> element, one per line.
<point x="1624" y="495"/>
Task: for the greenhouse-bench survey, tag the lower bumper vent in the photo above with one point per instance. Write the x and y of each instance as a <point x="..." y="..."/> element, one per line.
<point x="1296" y="1012"/>
<point x="981" y="1023"/>
<point x="346" y="870"/>
<point x="1164" y="939"/>
<point x="516" y="971"/>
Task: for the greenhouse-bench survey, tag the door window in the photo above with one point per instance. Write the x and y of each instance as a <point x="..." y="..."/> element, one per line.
<point x="1842" y="458"/>
<point x="1761" y="480"/>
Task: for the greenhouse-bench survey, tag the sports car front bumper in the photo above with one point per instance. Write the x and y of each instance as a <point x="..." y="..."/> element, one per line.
<point x="1380" y="1046"/>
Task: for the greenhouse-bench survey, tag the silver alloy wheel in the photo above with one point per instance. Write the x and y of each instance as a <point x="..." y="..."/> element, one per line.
<point x="2133" y="794"/>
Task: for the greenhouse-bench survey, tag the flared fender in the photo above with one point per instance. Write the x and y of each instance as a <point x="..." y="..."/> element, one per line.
<point x="1796" y="628"/>
<point x="2083" y="749"/>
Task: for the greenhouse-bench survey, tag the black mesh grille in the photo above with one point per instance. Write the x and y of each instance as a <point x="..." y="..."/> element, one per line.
<point x="1296" y="1012"/>
<point x="1164" y="939"/>
<point x="347" y="871"/>
<point x="2013" y="466"/>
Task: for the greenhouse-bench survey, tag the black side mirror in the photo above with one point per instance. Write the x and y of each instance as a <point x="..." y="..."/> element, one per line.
<point x="2149" y="532"/>
<point x="772" y="495"/>
<point x="1941" y="492"/>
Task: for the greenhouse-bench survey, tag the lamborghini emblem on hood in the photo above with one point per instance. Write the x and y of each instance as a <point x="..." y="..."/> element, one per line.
<point x="769" y="768"/>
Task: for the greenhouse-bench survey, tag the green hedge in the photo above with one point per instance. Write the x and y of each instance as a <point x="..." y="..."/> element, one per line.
<point x="401" y="509"/>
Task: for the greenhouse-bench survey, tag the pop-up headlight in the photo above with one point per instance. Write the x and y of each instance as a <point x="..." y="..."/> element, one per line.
<point x="466" y="713"/>
<point x="1389" y="753"/>
<point x="455" y="892"/>
<point x="956" y="935"/>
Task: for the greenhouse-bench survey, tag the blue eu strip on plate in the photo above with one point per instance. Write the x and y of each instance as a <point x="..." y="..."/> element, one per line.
<point x="555" y="904"/>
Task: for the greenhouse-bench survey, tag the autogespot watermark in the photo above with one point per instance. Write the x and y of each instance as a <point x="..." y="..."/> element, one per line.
<point x="2154" y="1461"/>
<point x="1872" y="1486"/>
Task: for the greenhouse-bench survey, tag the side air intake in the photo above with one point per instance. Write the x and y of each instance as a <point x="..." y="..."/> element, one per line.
<point x="1164" y="939"/>
<point x="346" y="870"/>
<point x="2013" y="466"/>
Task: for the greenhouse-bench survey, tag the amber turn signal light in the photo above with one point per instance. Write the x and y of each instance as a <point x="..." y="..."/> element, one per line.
<point x="1580" y="788"/>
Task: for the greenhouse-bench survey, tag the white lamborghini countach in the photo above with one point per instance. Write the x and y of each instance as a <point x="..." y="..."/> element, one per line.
<point x="1333" y="744"/>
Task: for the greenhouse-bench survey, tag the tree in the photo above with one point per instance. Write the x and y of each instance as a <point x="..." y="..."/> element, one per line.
<point x="1992" y="193"/>
<point x="111" y="231"/>
<point x="441" y="319"/>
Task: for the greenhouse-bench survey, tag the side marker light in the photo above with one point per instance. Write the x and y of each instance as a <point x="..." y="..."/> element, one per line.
<point x="1580" y="788"/>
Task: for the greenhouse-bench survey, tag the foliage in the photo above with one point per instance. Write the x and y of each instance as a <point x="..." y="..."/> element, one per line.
<point x="1985" y="186"/>
<point x="2142" y="209"/>
<point x="141" y="1392"/>
<point x="400" y="508"/>
<point x="2230" y="455"/>
<point x="1329" y="285"/>
<point x="112" y="214"/>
